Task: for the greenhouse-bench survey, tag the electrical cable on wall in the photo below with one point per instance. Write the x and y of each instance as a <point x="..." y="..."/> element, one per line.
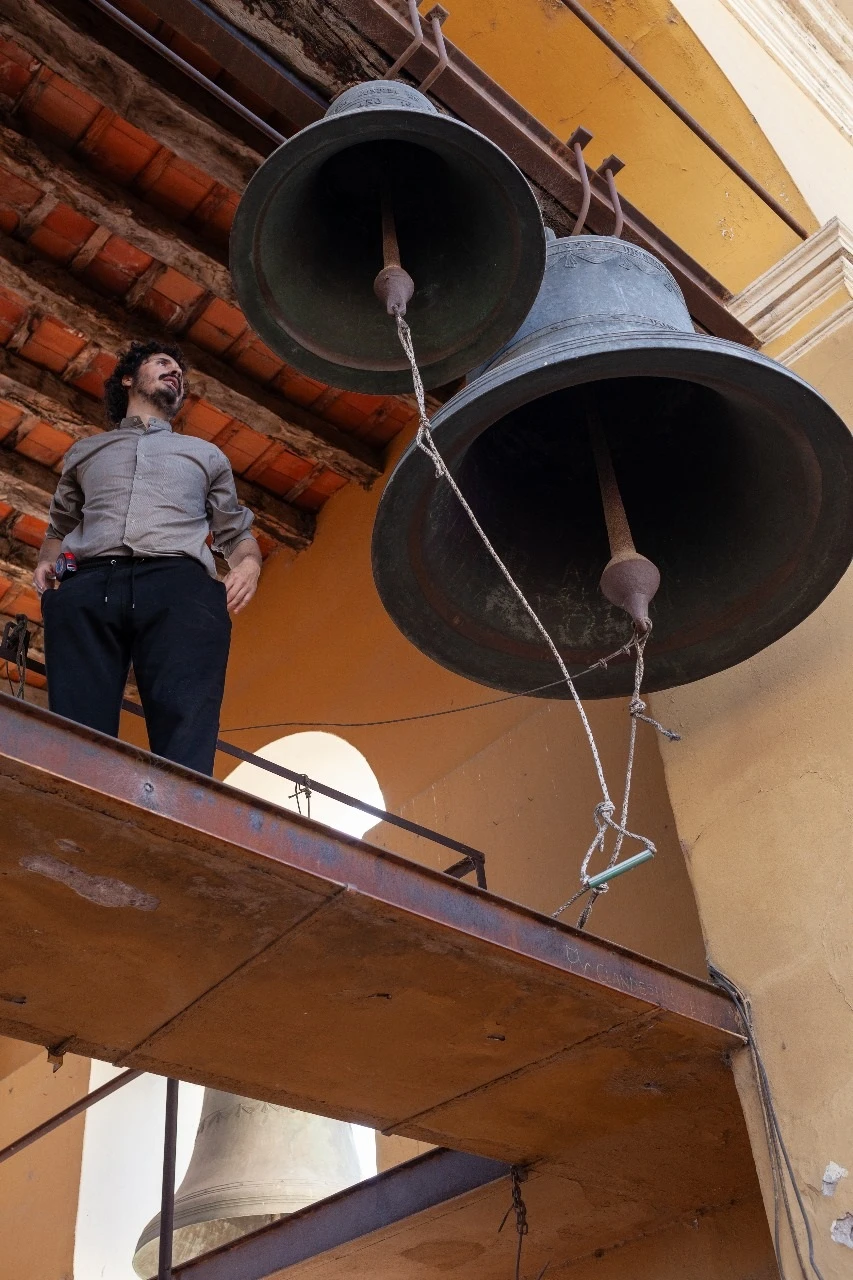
<point x="780" y="1160"/>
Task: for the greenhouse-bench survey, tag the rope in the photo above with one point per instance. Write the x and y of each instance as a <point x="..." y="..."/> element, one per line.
<point x="605" y="809"/>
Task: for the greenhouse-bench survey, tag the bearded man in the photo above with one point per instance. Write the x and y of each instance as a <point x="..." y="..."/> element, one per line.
<point x="125" y="572"/>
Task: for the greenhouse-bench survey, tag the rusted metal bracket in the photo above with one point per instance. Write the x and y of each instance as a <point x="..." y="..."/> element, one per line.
<point x="577" y="142"/>
<point x="56" y="1052"/>
<point x="436" y="18"/>
<point x="411" y="49"/>
<point x="608" y="170"/>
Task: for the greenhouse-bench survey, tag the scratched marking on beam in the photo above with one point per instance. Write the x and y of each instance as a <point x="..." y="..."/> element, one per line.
<point x="102" y="890"/>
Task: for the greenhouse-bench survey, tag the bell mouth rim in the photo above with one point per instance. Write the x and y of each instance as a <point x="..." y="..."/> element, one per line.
<point x="516" y="371"/>
<point x="413" y="483"/>
<point x="336" y="132"/>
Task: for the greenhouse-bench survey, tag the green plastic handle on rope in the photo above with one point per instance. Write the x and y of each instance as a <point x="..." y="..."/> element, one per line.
<point x="595" y="882"/>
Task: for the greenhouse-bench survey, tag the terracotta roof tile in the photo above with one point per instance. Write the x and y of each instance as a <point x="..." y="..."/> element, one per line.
<point x="63" y="111"/>
<point x="12" y="310"/>
<point x="20" y="599"/>
<point x="45" y="444"/>
<point x="30" y="530"/>
<point x="121" y="152"/>
<point x="10" y="416"/>
<point x="258" y="362"/>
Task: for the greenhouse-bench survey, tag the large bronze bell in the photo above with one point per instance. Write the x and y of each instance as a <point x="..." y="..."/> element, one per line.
<point x="307" y="242"/>
<point x="252" y="1163"/>
<point x="736" y="478"/>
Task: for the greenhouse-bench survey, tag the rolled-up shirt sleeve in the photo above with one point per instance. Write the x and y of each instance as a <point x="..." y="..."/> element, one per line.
<point x="230" y="522"/>
<point x="66" y="508"/>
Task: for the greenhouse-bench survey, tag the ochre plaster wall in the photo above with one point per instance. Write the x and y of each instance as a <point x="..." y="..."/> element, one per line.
<point x="38" y="1186"/>
<point x="527" y="799"/>
<point x="817" y="154"/>
<point x="543" y="55"/>
<point x="762" y="791"/>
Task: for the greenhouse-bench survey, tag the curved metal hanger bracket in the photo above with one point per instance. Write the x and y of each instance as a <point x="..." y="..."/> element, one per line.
<point x="608" y="170"/>
<point x="436" y="18"/>
<point x="577" y="142"/>
<point x="411" y="49"/>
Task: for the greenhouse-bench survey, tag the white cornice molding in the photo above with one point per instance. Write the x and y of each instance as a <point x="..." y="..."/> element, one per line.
<point x="813" y="42"/>
<point x="798" y="284"/>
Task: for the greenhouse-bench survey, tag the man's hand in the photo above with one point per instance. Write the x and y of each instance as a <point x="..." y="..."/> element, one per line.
<point x="242" y="581"/>
<point x="44" y="578"/>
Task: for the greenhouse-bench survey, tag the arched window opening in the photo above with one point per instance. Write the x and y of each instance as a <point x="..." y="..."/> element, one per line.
<point x="123" y="1137"/>
<point x="326" y="758"/>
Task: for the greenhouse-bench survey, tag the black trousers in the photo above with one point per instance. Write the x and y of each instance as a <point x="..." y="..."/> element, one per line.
<point x="167" y="616"/>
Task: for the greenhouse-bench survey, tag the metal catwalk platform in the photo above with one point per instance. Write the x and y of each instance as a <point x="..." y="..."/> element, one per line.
<point x="161" y="920"/>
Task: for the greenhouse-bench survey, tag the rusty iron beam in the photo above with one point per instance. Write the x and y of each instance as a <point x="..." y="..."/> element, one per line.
<point x="472" y="859"/>
<point x="426" y="1182"/>
<point x="203" y="806"/>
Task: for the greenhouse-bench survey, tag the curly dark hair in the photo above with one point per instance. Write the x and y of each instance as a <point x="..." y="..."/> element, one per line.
<point x="115" y="395"/>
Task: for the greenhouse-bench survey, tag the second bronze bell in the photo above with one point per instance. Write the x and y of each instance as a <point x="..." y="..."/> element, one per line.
<point x="307" y="242"/>
<point x="736" y="476"/>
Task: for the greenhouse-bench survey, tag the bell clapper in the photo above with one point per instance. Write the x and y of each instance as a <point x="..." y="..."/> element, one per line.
<point x="629" y="579"/>
<point x="393" y="285"/>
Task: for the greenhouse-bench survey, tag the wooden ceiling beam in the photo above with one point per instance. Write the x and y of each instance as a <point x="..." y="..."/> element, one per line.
<point x="40" y="392"/>
<point x="25" y="485"/>
<point x="65" y="181"/>
<point x="28" y="486"/>
<point x="52" y="291"/>
<point x="64" y="49"/>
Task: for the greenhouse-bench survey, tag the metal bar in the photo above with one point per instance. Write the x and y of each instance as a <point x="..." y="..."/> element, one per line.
<point x="378" y="1204"/>
<point x="411" y="49"/>
<point x="436" y="16"/>
<point x="414" y="828"/>
<point x="245" y="59"/>
<point x="475" y="857"/>
<point x="76" y="1109"/>
<point x="618" y="530"/>
<point x="684" y="116"/>
<point x="619" y="869"/>
<point x="167" y="1199"/>
<point x="390" y="244"/>
<point x="619" y="224"/>
<point x="188" y="69"/>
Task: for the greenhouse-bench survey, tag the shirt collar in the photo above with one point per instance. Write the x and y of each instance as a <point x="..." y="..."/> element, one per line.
<point x="136" y="424"/>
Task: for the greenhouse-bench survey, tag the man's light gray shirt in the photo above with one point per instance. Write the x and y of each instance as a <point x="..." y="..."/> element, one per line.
<point x="147" y="491"/>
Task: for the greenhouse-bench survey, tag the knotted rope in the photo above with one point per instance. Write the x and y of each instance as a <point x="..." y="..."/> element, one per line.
<point x="605" y="809"/>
